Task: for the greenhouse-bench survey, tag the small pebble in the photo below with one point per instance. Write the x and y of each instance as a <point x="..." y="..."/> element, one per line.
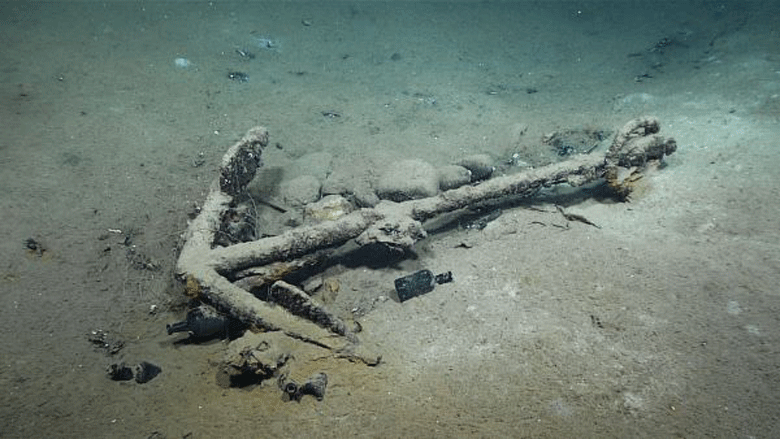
<point x="182" y="63"/>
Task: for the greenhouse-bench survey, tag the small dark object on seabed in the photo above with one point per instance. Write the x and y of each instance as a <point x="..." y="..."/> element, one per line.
<point x="290" y="388"/>
<point x="202" y="323"/>
<point x="34" y="247"/>
<point x="314" y="386"/>
<point x="419" y="283"/>
<point x="444" y="278"/>
<point x="120" y="372"/>
<point x="330" y="114"/>
<point x="238" y="76"/>
<point x="143" y="372"/>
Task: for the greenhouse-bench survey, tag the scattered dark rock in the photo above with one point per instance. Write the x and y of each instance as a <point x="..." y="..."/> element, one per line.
<point x="103" y="341"/>
<point x="143" y="372"/>
<point x="140" y="261"/>
<point x="238" y="76"/>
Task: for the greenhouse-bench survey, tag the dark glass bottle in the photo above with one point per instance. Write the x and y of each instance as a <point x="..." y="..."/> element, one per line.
<point x="202" y="322"/>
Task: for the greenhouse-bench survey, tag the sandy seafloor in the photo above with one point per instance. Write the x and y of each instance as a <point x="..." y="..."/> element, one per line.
<point x="665" y="322"/>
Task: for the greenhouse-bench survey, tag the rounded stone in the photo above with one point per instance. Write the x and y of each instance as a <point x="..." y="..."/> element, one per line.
<point x="408" y="180"/>
<point x="480" y="165"/>
<point x="453" y="176"/>
<point x="331" y="207"/>
<point x="300" y="190"/>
